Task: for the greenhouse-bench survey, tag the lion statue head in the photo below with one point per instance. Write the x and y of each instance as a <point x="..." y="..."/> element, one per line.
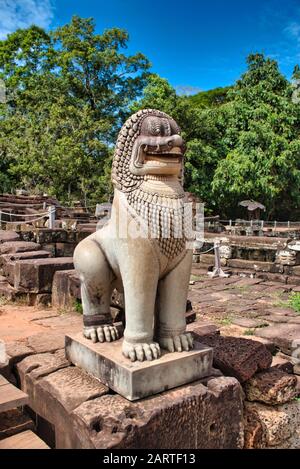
<point x="149" y="143"/>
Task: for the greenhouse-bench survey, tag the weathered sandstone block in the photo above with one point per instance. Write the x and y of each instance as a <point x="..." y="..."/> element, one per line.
<point x="22" y="255"/>
<point x="285" y="336"/>
<point x="192" y="416"/>
<point x="65" y="289"/>
<point x="18" y="246"/>
<point x="8" y="236"/>
<point x="39" y="365"/>
<point x="271" y="387"/>
<point x="272" y="426"/>
<point x="238" y="357"/>
<point x="36" y="275"/>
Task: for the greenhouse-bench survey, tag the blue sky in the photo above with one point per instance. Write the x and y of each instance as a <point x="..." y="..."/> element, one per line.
<point x="193" y="43"/>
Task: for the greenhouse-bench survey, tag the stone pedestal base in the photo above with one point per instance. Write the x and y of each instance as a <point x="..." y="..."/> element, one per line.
<point x="139" y="379"/>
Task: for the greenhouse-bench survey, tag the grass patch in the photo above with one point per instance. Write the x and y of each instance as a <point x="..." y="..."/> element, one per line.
<point x="197" y="278"/>
<point x="249" y="332"/>
<point x="281" y="304"/>
<point x="78" y="306"/>
<point x="242" y="288"/>
<point x="225" y="321"/>
<point x="278" y="294"/>
<point x="3" y="301"/>
<point x="263" y="324"/>
<point x="294" y="301"/>
<point x="279" y="299"/>
<point x="21" y="300"/>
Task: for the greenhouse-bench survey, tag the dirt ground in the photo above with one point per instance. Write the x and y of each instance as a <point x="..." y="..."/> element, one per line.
<point x="18" y="322"/>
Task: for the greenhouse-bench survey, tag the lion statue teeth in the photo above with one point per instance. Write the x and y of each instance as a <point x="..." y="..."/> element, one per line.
<point x="142" y="251"/>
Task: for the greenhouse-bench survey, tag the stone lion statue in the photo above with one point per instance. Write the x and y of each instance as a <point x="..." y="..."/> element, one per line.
<point x="142" y="251"/>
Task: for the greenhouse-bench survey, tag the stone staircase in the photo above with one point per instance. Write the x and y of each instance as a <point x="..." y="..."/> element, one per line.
<point x="27" y="270"/>
<point x="16" y="427"/>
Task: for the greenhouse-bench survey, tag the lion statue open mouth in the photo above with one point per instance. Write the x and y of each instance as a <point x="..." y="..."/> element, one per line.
<point x="142" y="251"/>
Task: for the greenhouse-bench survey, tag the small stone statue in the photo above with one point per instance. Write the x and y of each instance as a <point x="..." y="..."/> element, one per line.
<point x="142" y="250"/>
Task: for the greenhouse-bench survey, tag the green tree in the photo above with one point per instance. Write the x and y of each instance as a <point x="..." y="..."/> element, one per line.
<point x="262" y="140"/>
<point x="201" y="128"/>
<point x="210" y="98"/>
<point x="159" y="94"/>
<point x="68" y="91"/>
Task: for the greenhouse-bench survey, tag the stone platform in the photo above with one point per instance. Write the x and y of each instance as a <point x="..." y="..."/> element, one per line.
<point x="139" y="379"/>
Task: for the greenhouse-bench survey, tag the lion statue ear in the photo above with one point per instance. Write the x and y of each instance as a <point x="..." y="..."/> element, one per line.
<point x="121" y="176"/>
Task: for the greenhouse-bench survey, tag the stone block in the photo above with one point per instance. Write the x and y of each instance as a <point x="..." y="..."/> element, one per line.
<point x="48" y="236"/>
<point x="71" y="237"/>
<point x="14" y="421"/>
<point x="283" y="364"/>
<point x="280" y="311"/>
<point x="65" y="289"/>
<point x="34" y="367"/>
<point x="207" y="259"/>
<point x="5" y="258"/>
<point x="9" y="271"/>
<point x="269" y="344"/>
<point x="46" y="342"/>
<point x="285" y="336"/>
<point x="258" y="266"/>
<point x="190" y="417"/>
<point x="9" y="292"/>
<point x="271" y="426"/>
<point x="84" y="233"/>
<point x="53" y="397"/>
<point x="296" y="270"/>
<point x="293" y="280"/>
<point x="39" y="299"/>
<point x="71" y="386"/>
<point x="199" y="329"/>
<point x="7" y="236"/>
<point x="269" y="276"/>
<point x="139" y="379"/>
<point x="9" y="262"/>
<point x="277" y="319"/>
<point x="240" y="264"/>
<point x="238" y="357"/>
<point x="17" y="350"/>
<point x="272" y="387"/>
<point x="18" y="246"/>
<point x="64" y="249"/>
<point x="248" y="322"/>
<point x="294" y="360"/>
<point x="50" y="248"/>
<point x="36" y="275"/>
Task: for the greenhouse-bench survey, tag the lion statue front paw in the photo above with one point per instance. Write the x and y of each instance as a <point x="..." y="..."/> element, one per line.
<point x="106" y="333"/>
<point x="179" y="343"/>
<point x="141" y="352"/>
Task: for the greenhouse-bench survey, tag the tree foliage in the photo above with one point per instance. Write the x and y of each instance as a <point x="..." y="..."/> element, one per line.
<point x="244" y="144"/>
<point x="67" y="93"/>
<point x="262" y="138"/>
<point x="70" y="90"/>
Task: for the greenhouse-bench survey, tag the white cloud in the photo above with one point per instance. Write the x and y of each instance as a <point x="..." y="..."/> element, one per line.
<point x="16" y="14"/>
<point x="293" y="31"/>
